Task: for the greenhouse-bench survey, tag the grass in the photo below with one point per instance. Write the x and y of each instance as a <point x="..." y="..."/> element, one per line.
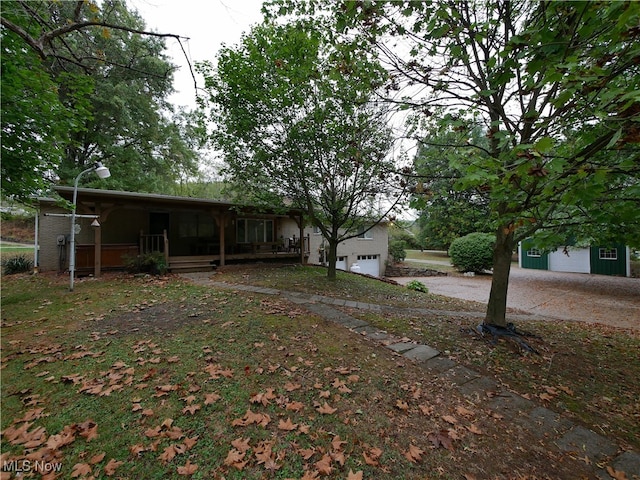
<point x="159" y="375"/>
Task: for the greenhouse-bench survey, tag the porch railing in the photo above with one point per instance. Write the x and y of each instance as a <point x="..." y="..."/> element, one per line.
<point x="155" y="242"/>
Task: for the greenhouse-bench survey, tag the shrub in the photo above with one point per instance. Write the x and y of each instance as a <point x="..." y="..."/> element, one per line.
<point x="397" y="250"/>
<point x="153" y="263"/>
<point x="473" y="252"/>
<point x="417" y="286"/>
<point x="17" y="264"/>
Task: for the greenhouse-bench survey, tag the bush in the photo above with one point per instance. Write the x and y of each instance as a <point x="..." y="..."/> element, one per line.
<point x="397" y="250"/>
<point x="473" y="252"/>
<point x="18" y="264"/>
<point x="153" y="263"/>
<point x="417" y="286"/>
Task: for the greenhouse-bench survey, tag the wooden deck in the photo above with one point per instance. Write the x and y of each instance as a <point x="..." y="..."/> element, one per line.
<point x="194" y="263"/>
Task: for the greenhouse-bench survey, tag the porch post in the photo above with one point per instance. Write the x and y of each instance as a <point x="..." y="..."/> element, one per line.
<point x="221" y="221"/>
<point x="301" y="224"/>
<point x="97" y="254"/>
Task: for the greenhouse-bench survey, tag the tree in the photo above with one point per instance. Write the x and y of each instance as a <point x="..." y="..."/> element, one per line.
<point x="108" y="79"/>
<point x="297" y="127"/>
<point x="555" y="86"/>
<point x="446" y="212"/>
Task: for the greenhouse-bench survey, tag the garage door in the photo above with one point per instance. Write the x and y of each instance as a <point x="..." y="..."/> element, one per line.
<point x="341" y="263"/>
<point x="369" y="264"/>
<point x="577" y="260"/>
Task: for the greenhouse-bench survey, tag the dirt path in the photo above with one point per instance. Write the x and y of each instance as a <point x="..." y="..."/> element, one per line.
<point x="613" y="301"/>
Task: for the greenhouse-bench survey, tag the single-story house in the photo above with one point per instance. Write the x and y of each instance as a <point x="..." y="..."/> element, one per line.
<point x="601" y="260"/>
<point x="369" y="250"/>
<point x="192" y="233"/>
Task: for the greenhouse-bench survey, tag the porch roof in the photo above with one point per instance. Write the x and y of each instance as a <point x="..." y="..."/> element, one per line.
<point x="89" y="195"/>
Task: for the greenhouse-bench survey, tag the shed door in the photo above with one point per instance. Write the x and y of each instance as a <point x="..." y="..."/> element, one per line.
<point x="369" y="264"/>
<point x="577" y="261"/>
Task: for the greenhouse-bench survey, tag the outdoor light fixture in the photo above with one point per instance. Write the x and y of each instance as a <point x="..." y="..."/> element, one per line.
<point x="102" y="172"/>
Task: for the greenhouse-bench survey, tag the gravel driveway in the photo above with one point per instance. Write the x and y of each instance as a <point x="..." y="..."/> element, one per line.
<point x="603" y="299"/>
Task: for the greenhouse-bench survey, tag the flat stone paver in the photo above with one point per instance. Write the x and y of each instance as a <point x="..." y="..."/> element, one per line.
<point x="628" y="462"/>
<point x="421" y="353"/>
<point x="401" y="347"/>
<point x="586" y="442"/>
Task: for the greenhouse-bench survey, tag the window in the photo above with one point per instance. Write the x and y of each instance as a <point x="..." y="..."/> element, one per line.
<point x="534" y="252"/>
<point x="608" y="253"/>
<point x="254" y="230"/>
<point x="367" y="257"/>
<point x="368" y="235"/>
<point x="195" y="225"/>
<point x="316" y="230"/>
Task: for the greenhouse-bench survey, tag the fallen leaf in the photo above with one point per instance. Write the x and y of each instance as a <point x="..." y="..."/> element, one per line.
<point x="97" y="458"/>
<point x="441" y="439"/>
<point x="354" y="476"/>
<point x="337" y="443"/>
<point x="190" y="442"/>
<point x="188" y="469"/>
<point x="450" y="419"/>
<point x="326" y="409"/>
<point x="241" y="444"/>
<point x="465" y="412"/>
<point x="192" y="409"/>
<point x="111" y="466"/>
<point x="402" y="405"/>
<point x="287" y="425"/>
<point x="324" y="465"/>
<point x="168" y="454"/>
<point x="474" y="429"/>
<point x="414" y="454"/>
<point x="616" y="474"/>
<point x="210" y="398"/>
<point x="235" y="459"/>
<point x="80" y="470"/>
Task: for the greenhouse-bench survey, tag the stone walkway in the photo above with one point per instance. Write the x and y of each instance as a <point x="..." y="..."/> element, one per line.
<point x="545" y="423"/>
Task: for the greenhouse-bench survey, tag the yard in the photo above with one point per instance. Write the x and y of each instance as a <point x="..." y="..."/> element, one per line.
<point x="143" y="377"/>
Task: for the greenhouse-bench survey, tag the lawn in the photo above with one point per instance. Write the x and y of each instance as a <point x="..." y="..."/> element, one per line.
<point x="142" y="377"/>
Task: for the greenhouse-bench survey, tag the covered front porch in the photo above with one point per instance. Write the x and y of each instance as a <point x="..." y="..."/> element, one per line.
<point x="192" y="234"/>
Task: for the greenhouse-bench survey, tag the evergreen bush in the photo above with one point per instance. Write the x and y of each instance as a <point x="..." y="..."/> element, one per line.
<point x="153" y="263"/>
<point x="473" y="252"/>
<point x="397" y="250"/>
<point x="17" y="264"/>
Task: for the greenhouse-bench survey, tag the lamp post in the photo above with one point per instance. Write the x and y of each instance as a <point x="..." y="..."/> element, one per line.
<point x="102" y="172"/>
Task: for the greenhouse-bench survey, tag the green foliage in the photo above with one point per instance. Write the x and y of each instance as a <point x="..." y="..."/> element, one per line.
<point x="87" y="94"/>
<point x="447" y="212"/>
<point x="417" y="286"/>
<point x="397" y="250"/>
<point x="153" y="263"/>
<point x="400" y="230"/>
<point x="17" y="264"/>
<point x="473" y="252"/>
<point x="296" y="122"/>
<point x="554" y="88"/>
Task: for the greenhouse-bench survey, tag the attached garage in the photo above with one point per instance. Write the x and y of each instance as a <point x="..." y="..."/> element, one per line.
<point x="369" y="264"/>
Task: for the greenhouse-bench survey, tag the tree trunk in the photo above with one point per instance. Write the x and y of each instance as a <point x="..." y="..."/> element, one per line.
<point x="497" y="306"/>
<point x="332" y="259"/>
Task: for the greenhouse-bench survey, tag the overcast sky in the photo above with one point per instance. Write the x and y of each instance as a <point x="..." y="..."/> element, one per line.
<point x="208" y="24"/>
